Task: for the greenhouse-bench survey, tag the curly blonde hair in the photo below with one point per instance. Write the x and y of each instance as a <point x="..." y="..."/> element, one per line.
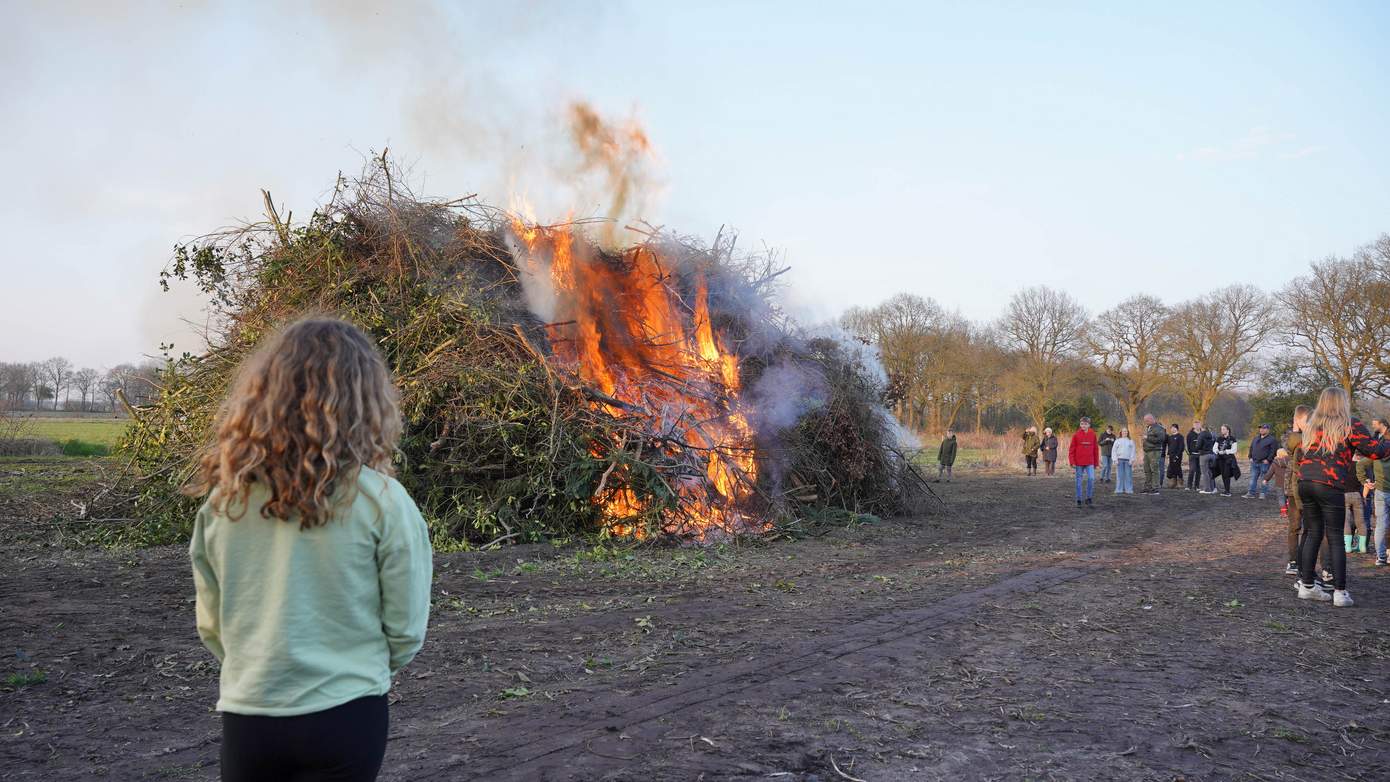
<point x="312" y="405"/>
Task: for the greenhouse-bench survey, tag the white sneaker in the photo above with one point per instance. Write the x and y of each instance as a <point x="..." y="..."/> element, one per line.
<point x="1312" y="593"/>
<point x="1341" y="598"/>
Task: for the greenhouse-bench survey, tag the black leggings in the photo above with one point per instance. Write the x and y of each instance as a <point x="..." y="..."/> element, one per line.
<point x="1324" y="509"/>
<point x="343" y="744"/>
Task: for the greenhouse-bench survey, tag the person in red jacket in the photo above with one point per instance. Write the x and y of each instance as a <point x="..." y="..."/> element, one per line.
<point x="1084" y="455"/>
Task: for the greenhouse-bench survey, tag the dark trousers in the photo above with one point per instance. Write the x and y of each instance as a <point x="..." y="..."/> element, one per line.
<point x="1194" y="469"/>
<point x="343" y="744"/>
<point x="1324" y="508"/>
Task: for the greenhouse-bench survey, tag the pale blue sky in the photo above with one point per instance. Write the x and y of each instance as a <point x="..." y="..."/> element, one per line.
<point x="953" y="150"/>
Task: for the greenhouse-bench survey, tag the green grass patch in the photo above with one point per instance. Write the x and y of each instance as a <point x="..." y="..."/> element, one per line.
<point x="94" y="431"/>
<point x="25" y="678"/>
<point x="85" y="448"/>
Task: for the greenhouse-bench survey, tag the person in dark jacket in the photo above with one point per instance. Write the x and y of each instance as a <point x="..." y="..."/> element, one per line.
<point x="946" y="456"/>
<point x="1049" y="451"/>
<point x="1154" y="441"/>
<point x="1031" y="444"/>
<point x="1107" y="442"/>
<point x="1330" y="438"/>
<point x="1199" y="456"/>
<point x="1225" y="465"/>
<point x="1176" y="445"/>
<point x="1261" y="454"/>
<point x="1293" y="443"/>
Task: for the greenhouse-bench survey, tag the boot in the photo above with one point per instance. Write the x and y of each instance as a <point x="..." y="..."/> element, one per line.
<point x="1348" y="539"/>
<point x="1361" y="543"/>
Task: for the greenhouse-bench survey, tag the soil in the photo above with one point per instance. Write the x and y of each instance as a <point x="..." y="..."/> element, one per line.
<point x="1010" y="636"/>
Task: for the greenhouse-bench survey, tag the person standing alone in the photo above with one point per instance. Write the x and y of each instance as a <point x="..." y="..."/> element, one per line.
<point x="311" y="564"/>
<point x="1154" y="441"/>
<point x="1261" y="454"/>
<point x="1084" y="453"/>
<point x="946" y="456"/>
<point x="1107" y="442"/>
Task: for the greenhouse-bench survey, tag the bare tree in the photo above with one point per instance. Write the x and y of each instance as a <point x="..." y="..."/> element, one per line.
<point x="37" y="384"/>
<point x="1212" y="342"/>
<point x="85" y="381"/>
<point x="1044" y="330"/>
<point x="57" y="372"/>
<point x="1339" y="322"/>
<point x="1127" y="344"/>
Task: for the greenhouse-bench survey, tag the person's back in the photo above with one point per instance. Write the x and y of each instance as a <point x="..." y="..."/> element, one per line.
<point x="300" y="618"/>
<point x="312" y="565"/>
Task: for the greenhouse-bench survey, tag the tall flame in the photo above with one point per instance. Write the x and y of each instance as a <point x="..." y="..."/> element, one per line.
<point x="624" y="329"/>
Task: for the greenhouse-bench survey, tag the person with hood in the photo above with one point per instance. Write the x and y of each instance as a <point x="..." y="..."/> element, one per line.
<point x="1083" y="453"/>
<point x="1124" y="462"/>
<point x="1261" y="454"/>
<point x="1176" y="445"/>
<point x="1031" y="444"/>
<point x="1199" y="457"/>
<point x="1154" y="441"/>
<point x="1049" y="451"/>
<point x="946" y="456"/>
<point x="1107" y="441"/>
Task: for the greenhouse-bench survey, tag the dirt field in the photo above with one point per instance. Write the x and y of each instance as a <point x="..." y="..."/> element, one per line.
<point x="1013" y="636"/>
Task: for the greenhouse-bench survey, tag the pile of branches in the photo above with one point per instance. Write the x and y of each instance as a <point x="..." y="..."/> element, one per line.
<point x="501" y="442"/>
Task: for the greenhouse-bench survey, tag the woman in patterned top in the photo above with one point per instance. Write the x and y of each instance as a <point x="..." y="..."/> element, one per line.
<point x="1330" y="438"/>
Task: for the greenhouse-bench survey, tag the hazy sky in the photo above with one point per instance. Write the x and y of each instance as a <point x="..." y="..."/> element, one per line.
<point x="954" y="150"/>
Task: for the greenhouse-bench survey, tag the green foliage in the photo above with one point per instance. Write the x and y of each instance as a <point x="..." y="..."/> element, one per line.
<point x="499" y="445"/>
<point x="25" y="679"/>
<point x="1065" y="416"/>
<point x="83" y="448"/>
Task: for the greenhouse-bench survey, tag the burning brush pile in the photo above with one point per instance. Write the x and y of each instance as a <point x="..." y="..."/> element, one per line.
<point x="549" y="385"/>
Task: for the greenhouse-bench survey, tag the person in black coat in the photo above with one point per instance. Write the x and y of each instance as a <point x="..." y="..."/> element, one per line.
<point x="1199" y="457"/>
<point x="1177" y="444"/>
<point x="946" y="456"/>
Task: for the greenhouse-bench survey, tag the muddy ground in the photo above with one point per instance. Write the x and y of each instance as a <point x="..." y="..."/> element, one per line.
<point x="1011" y="636"/>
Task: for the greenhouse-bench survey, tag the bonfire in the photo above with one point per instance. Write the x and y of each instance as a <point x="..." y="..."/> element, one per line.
<point x="550" y="383"/>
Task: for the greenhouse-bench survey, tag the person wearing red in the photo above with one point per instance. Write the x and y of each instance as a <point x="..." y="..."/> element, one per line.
<point x="1084" y="455"/>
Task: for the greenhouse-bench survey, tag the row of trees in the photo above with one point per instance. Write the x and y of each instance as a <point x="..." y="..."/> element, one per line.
<point x="56" y="383"/>
<point x="1328" y="327"/>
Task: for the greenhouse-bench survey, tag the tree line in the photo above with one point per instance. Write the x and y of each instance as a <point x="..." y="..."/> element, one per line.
<point x="56" y="384"/>
<point x="1046" y="355"/>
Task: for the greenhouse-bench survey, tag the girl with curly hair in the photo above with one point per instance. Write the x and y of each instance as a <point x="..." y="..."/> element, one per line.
<point x="311" y="563"/>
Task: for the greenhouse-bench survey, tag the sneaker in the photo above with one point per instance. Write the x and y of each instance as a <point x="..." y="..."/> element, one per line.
<point x="1380" y="562"/>
<point x="1325" y="586"/>
<point x="1088" y="501"/>
<point x="1225" y="494"/>
<point x="1291" y="569"/>
<point x="1306" y="592"/>
<point x="1342" y="599"/>
<point x="1262" y="496"/>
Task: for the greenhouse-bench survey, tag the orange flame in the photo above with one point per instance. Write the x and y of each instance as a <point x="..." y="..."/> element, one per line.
<point x="624" y="329"/>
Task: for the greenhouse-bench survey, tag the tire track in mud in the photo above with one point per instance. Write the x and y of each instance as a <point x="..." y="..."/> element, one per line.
<point x="539" y="746"/>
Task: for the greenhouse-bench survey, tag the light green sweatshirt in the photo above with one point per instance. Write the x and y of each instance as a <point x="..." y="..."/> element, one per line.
<point x="305" y="620"/>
